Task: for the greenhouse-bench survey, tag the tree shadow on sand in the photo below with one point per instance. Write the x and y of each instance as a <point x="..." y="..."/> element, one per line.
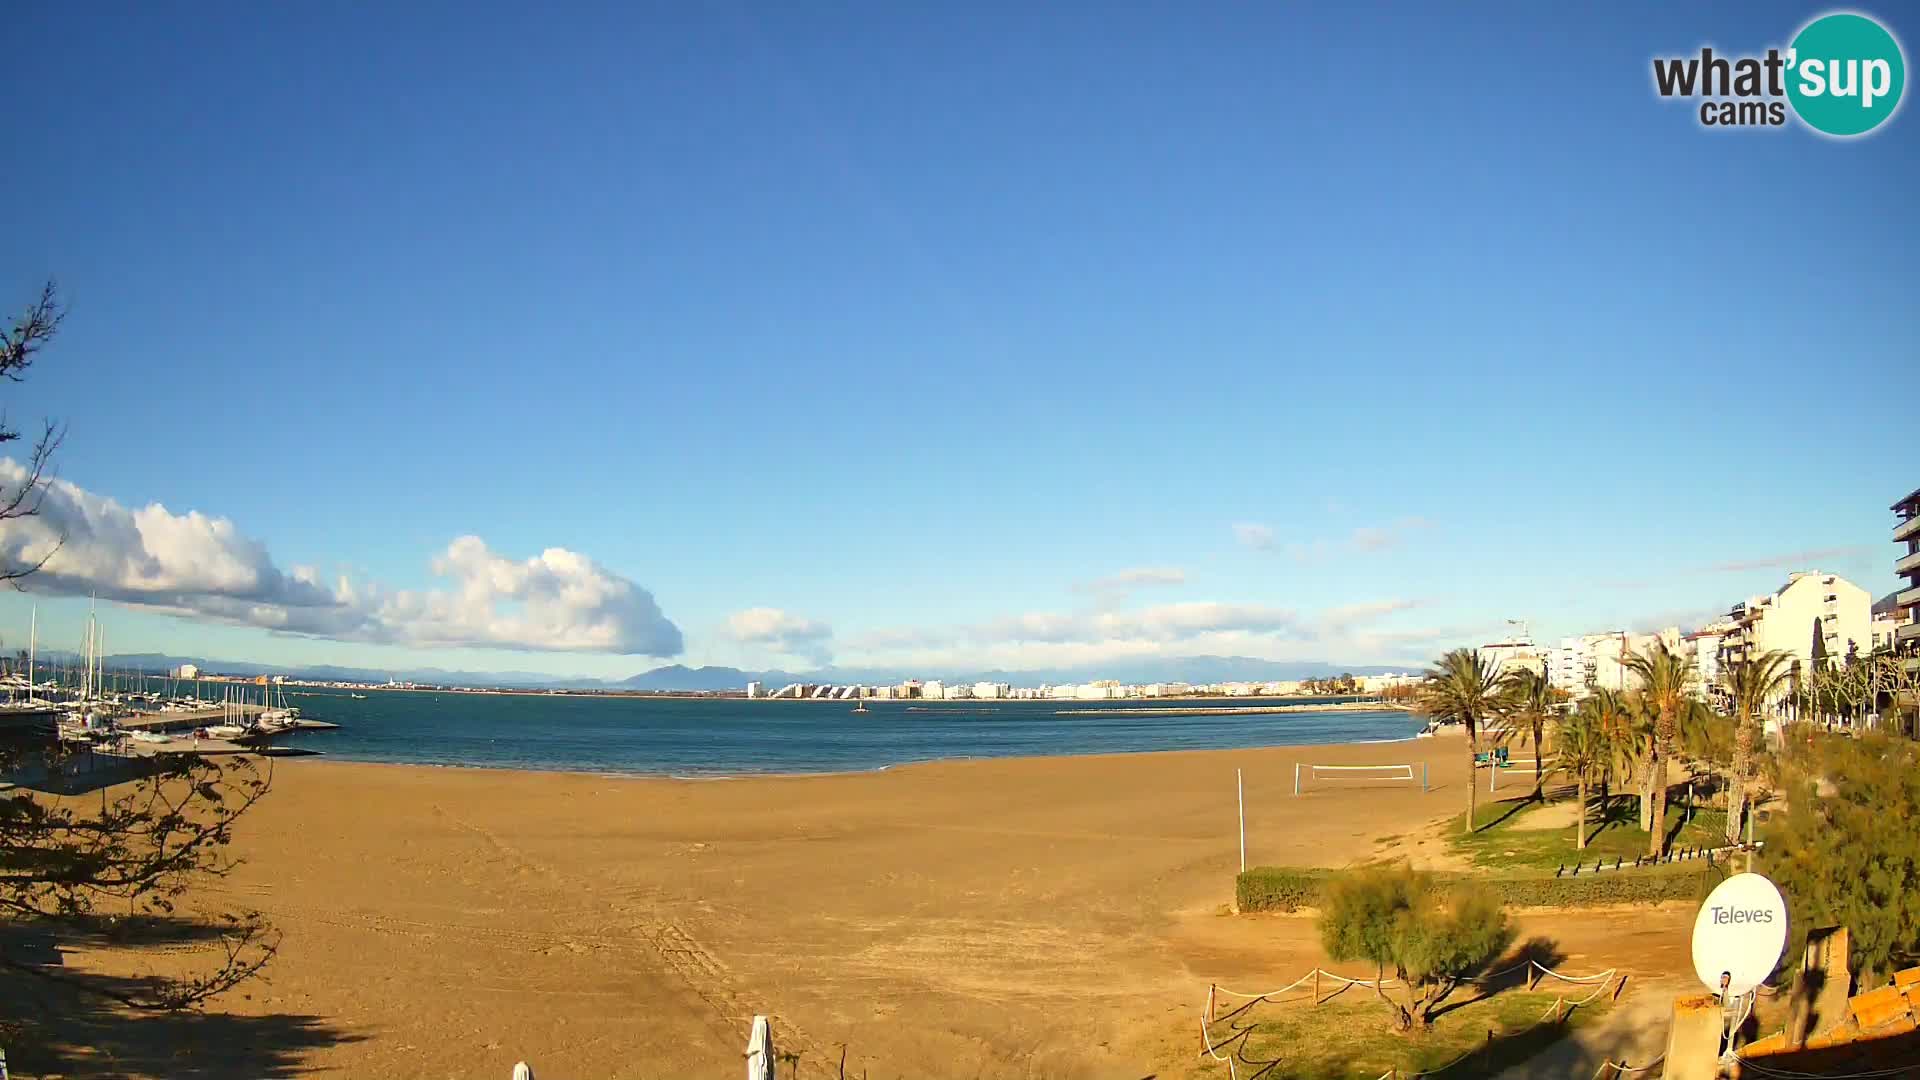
<point x="69" y="1024"/>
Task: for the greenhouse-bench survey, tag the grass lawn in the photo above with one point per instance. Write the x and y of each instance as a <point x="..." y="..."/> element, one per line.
<point x="1350" y="1038"/>
<point x="1501" y="842"/>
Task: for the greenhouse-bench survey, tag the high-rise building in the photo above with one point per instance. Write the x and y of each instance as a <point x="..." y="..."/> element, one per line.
<point x="753" y="689"/>
<point x="1906" y="602"/>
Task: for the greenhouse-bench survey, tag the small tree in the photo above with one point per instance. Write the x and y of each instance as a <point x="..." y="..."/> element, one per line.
<point x="1752" y="686"/>
<point x="31" y="332"/>
<point x="74" y="869"/>
<point x="1625" y="738"/>
<point x="1531" y="702"/>
<point x="1852" y="857"/>
<point x="1464" y="689"/>
<point x="1431" y="939"/>
<point x="1667" y="682"/>
<point x="1581" y="748"/>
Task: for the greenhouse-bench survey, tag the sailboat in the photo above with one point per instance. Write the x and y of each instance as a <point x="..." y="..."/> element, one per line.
<point x="232" y="723"/>
<point x="860" y="705"/>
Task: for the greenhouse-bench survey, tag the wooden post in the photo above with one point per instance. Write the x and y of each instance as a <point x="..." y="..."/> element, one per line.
<point x="1210" y="989"/>
<point x="1316" y="986"/>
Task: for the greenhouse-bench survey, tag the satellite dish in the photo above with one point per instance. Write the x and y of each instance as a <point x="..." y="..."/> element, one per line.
<point x="1741" y="932"/>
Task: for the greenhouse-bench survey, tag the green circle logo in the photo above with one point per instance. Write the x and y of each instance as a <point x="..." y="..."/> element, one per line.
<point x="1845" y="74"/>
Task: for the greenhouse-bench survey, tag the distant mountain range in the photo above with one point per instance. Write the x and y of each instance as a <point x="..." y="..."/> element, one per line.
<point x="679" y="677"/>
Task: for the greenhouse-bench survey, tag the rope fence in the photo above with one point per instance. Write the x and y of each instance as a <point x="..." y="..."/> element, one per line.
<point x="1234" y="1044"/>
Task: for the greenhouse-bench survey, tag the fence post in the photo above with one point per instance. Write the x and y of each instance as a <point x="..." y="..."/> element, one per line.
<point x="1240" y="792"/>
<point x="1316" y="986"/>
<point x="1211" y="987"/>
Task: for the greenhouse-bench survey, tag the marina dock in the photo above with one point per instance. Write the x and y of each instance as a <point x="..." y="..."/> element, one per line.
<point x="188" y="720"/>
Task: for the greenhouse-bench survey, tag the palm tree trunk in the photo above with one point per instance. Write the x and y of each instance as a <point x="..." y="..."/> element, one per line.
<point x="1539" y="773"/>
<point x="1737" y="777"/>
<point x="1657" y="820"/>
<point x="1580" y="817"/>
<point x="1473" y="785"/>
<point x="1657" y="832"/>
<point x="1646" y="792"/>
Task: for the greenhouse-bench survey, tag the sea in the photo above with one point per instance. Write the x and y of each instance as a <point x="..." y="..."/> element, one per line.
<point x="712" y="737"/>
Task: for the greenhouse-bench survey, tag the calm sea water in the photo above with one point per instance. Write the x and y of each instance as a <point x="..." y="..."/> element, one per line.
<point x="704" y="737"/>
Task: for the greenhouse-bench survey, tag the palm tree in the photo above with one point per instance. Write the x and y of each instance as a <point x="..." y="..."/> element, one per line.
<point x="1642" y="718"/>
<point x="1532" y="701"/>
<point x="1751" y="686"/>
<point x="1580" y="747"/>
<point x="1462" y="688"/>
<point x="1667" y="681"/>
<point x="1613" y="713"/>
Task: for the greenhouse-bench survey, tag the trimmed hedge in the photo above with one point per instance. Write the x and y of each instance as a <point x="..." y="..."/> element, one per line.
<point x="1284" y="888"/>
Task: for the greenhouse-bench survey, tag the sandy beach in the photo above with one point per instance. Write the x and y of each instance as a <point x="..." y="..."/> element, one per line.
<point x="1013" y="917"/>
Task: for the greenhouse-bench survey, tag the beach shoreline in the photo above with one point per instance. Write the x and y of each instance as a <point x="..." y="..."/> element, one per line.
<point x="322" y="757"/>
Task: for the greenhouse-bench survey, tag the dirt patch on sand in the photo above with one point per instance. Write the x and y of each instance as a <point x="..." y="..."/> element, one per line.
<point x="1559" y="815"/>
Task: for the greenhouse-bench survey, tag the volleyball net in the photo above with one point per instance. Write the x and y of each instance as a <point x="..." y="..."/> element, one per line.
<point x="1310" y="776"/>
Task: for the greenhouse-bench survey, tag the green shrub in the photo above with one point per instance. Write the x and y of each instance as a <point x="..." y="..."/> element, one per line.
<point x="1279" y="888"/>
<point x="1283" y="888"/>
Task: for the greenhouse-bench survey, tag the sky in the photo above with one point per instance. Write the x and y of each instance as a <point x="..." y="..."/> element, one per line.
<point x="935" y="337"/>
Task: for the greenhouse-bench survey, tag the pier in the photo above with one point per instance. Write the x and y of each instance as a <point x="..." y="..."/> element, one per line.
<point x="188" y="720"/>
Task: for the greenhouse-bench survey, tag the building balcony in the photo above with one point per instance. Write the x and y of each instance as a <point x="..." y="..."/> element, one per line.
<point x="1904" y="634"/>
<point x="1907" y="529"/>
<point x="1909" y="565"/>
<point x="1907" y="599"/>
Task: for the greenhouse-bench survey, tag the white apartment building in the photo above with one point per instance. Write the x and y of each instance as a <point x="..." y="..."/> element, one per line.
<point x="1704" y="645"/>
<point x="186" y="671"/>
<point x="1582" y="664"/>
<point x="1810" y="606"/>
<point x="932" y="690"/>
<point x="753" y="690"/>
<point x="1884" y="629"/>
<point x="1374" y="684"/>
<point x="1512" y="653"/>
<point x="992" y="691"/>
<point x="1906" y="602"/>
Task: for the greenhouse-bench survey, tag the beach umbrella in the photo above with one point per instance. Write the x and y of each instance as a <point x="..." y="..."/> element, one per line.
<point x="760" y="1050"/>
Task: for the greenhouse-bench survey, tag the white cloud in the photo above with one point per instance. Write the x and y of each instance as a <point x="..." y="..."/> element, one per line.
<point x="1362" y="540"/>
<point x="1200" y="628"/>
<point x="1794" y="560"/>
<point x="559" y="601"/>
<point x="782" y="632"/>
<point x="1134" y="578"/>
<point x="1256" y="536"/>
<point x="196" y="566"/>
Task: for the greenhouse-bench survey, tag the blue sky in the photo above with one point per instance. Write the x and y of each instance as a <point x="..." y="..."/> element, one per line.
<point x="876" y="333"/>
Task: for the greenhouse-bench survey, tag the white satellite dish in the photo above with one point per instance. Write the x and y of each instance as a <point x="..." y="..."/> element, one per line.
<point x="1741" y="932"/>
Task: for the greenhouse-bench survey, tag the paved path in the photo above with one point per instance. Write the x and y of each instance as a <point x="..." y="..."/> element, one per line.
<point x="1635" y="1032"/>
